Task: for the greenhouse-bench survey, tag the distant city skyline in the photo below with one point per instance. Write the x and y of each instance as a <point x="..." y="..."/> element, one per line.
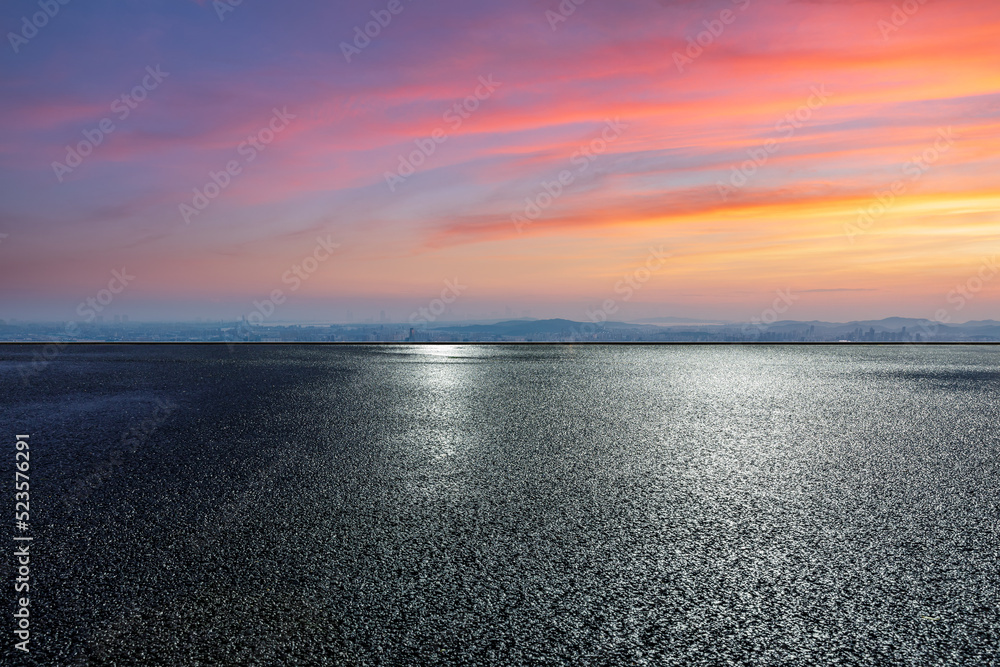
<point x="57" y="336"/>
<point x="635" y="159"/>
<point x="448" y="321"/>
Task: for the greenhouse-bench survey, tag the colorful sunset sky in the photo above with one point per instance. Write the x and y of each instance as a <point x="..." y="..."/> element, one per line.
<point x="845" y="150"/>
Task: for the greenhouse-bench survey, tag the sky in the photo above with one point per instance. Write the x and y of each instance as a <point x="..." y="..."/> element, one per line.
<point x="643" y="158"/>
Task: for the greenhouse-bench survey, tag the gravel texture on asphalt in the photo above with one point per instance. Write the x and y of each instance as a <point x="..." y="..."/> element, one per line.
<point x="474" y="505"/>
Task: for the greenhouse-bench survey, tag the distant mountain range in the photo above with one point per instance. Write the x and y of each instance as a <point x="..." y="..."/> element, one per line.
<point x="676" y="320"/>
<point x="529" y="327"/>
<point x="652" y="330"/>
<point x="674" y="329"/>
